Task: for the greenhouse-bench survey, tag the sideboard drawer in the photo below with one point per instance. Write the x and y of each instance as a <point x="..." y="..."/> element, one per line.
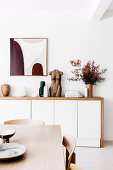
<point x="66" y="116"/>
<point x="43" y="110"/>
<point x="15" y="109"/>
<point x="89" y="119"/>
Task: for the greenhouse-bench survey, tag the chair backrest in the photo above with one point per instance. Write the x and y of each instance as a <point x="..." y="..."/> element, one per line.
<point x="74" y="167"/>
<point x="25" y="121"/>
<point x="70" y="143"/>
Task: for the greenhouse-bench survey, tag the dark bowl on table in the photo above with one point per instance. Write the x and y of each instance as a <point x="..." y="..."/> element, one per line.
<point x="5" y="134"/>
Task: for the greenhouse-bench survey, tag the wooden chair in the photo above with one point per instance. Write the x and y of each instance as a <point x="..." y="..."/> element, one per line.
<point x="74" y="167"/>
<point x="70" y="143"/>
<point x="25" y="121"/>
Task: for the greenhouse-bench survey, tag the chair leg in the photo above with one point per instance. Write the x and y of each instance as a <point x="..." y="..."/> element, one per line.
<point x="67" y="155"/>
<point x="73" y="159"/>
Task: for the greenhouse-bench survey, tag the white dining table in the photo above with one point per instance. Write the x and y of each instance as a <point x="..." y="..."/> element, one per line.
<point x="44" y="148"/>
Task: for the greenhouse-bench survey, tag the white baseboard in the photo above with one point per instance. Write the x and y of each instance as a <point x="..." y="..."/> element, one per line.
<point x="88" y="142"/>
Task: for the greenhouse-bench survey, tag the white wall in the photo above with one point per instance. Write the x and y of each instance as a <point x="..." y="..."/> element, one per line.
<point x="69" y="37"/>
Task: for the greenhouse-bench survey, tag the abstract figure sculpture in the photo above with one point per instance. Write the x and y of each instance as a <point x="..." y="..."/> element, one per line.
<point x="55" y="88"/>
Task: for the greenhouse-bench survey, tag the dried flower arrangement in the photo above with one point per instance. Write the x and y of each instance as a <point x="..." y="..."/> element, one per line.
<point x="89" y="74"/>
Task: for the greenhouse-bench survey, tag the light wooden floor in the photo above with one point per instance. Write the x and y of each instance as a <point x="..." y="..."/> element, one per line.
<point x="96" y="158"/>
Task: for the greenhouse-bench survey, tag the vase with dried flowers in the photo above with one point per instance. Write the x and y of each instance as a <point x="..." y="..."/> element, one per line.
<point x="90" y="74"/>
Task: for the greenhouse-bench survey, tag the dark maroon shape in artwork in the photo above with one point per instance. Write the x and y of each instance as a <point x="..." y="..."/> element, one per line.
<point x="17" y="61"/>
<point x="37" y="69"/>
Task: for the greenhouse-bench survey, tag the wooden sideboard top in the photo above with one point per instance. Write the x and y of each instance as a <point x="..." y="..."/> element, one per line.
<point x="48" y="98"/>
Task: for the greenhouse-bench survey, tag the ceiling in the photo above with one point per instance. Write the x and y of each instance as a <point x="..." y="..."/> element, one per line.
<point x="79" y="5"/>
<point x="83" y="7"/>
<point x="111" y="6"/>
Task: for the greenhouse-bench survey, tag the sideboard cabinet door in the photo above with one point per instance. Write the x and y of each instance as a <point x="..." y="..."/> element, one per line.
<point x="89" y="119"/>
<point x="66" y="116"/>
<point x="43" y="110"/>
<point x="14" y="109"/>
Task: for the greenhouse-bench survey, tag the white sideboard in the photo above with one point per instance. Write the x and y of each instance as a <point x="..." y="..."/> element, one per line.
<point x="80" y="117"/>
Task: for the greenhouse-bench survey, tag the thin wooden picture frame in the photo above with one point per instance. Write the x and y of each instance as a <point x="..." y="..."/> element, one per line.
<point x="46" y="56"/>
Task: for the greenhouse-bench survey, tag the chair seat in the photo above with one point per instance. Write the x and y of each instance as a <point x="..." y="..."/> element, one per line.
<point x="74" y="167"/>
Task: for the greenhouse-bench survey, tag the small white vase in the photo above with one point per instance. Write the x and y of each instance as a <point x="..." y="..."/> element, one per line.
<point x="21" y="92"/>
<point x="34" y="95"/>
<point x="85" y="92"/>
<point x="45" y="91"/>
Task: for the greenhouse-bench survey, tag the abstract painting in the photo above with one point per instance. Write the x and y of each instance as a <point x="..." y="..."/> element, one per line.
<point x="28" y="56"/>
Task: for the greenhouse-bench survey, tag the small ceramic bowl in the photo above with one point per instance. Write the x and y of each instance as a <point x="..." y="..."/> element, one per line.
<point x="6" y="134"/>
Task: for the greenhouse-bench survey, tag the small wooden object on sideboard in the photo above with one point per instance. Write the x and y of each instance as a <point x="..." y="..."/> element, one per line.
<point x="5" y="89"/>
<point x="55" y="88"/>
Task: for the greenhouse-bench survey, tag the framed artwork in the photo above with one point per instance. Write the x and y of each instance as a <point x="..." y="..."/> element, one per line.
<point x="28" y="56"/>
